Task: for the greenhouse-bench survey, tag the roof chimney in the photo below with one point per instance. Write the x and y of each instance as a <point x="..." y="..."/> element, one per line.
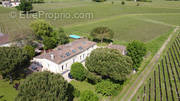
<point x="52" y="57"/>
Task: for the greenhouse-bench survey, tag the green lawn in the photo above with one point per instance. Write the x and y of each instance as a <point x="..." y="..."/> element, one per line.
<point x="126" y="28"/>
<point x="82" y="86"/>
<point x="129" y="21"/>
<point x="7" y="92"/>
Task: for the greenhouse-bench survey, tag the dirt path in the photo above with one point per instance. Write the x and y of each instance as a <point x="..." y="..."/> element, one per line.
<point x="143" y="76"/>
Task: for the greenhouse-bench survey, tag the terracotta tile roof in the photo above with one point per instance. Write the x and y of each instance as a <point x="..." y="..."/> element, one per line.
<point x="67" y="51"/>
<point x="4" y="38"/>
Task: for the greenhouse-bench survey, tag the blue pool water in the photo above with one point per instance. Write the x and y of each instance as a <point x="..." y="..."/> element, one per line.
<point x="74" y="36"/>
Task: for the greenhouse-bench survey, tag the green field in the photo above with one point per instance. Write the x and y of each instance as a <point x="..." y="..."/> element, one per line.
<point x="129" y="22"/>
<point x="7" y="92"/>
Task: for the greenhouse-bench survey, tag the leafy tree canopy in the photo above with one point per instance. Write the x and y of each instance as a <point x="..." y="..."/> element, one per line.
<point x="109" y="63"/>
<point x="93" y="78"/>
<point x="107" y="88"/>
<point x="50" y="37"/>
<point x="60" y="36"/>
<point x="49" y="42"/>
<point x="88" y="96"/>
<point x="42" y="29"/>
<point x="44" y="86"/>
<point x="99" y="0"/>
<point x="30" y="51"/>
<point x="12" y="59"/>
<point x="101" y="33"/>
<point x="78" y="71"/>
<point x="36" y="1"/>
<point x="25" y="6"/>
<point x="136" y="50"/>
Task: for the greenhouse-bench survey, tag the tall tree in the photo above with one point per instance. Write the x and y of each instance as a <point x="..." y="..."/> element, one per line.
<point x="12" y="59"/>
<point x="47" y="35"/>
<point x="136" y="50"/>
<point x="44" y="86"/>
<point x="42" y="29"/>
<point x="49" y="42"/>
<point x="109" y="63"/>
<point x="60" y="36"/>
<point x="101" y="33"/>
<point x="25" y="6"/>
<point x="30" y="51"/>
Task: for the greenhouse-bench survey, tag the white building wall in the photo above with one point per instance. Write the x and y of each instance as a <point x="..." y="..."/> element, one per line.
<point x="10" y="4"/>
<point x="66" y="65"/>
<point x="14" y="4"/>
<point x="6" y="45"/>
<point x="47" y="65"/>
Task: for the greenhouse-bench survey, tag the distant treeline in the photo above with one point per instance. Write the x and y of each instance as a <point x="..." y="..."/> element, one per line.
<point x="36" y="1"/>
<point x="99" y="0"/>
<point x="141" y="0"/>
<point x="172" y="0"/>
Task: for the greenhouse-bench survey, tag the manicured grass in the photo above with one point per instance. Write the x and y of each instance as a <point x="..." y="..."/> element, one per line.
<point x="167" y="18"/>
<point x="104" y="14"/>
<point x="154" y="45"/>
<point x="7" y="92"/>
<point x="82" y="86"/>
<point x="125" y="28"/>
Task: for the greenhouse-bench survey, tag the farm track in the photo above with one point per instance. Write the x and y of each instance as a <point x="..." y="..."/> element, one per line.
<point x="157" y="22"/>
<point x="143" y="76"/>
<point x="170" y="71"/>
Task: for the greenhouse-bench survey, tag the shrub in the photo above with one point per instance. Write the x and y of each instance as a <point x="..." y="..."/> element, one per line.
<point x="123" y="3"/>
<point x="78" y="71"/>
<point x="25" y="6"/>
<point x="88" y="96"/>
<point x="109" y="63"/>
<point x="36" y="1"/>
<point x="76" y="93"/>
<point x="107" y="88"/>
<point x="136" y="50"/>
<point x="93" y="78"/>
<point x="137" y="4"/>
<point x="141" y="0"/>
<point x="99" y="0"/>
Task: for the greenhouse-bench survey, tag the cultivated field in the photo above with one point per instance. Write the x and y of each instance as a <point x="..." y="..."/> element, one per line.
<point x="164" y="82"/>
<point x="128" y="21"/>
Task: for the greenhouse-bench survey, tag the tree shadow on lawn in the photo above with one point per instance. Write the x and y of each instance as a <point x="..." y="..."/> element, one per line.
<point x="104" y="40"/>
<point x="114" y="81"/>
<point x="1" y="98"/>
